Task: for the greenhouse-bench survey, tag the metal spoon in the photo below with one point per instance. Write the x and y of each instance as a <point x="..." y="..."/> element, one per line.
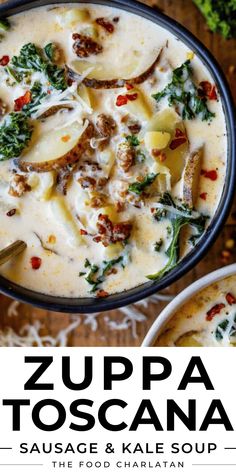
<point x="11" y="251"/>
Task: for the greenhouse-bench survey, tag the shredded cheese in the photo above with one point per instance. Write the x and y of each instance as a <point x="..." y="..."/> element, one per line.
<point x="30" y="335"/>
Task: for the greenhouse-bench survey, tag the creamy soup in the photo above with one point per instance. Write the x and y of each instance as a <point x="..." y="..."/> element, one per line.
<point x="113" y="149"/>
<point x="208" y="319"/>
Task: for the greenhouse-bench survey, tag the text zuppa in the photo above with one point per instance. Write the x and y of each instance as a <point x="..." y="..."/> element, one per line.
<point x="83" y="414"/>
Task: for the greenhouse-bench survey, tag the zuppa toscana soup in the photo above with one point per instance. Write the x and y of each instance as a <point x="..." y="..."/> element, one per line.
<point x="208" y="319"/>
<point x="112" y="149"/>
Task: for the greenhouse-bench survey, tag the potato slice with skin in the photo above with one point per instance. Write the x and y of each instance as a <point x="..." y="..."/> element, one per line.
<point x="191" y="178"/>
<point x="99" y="71"/>
<point x="56" y="149"/>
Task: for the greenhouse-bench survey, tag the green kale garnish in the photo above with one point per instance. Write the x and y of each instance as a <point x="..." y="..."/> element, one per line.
<point x="4" y="24"/>
<point x="87" y="263"/>
<point x="15" y="134"/>
<point x="96" y="274"/>
<point x="220" y="15"/>
<point x="13" y="74"/>
<point x="139" y="187"/>
<point x="50" y="51"/>
<point x="31" y="59"/>
<point x="158" y="245"/>
<point x="37" y="95"/>
<point x="178" y="221"/>
<point x="133" y="140"/>
<point x="221" y="327"/>
<point x="183" y="94"/>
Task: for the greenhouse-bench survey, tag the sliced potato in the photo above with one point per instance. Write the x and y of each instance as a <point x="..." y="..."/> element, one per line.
<point x="85" y="94"/>
<point x="55" y="149"/>
<point x="44" y="188"/>
<point x="156" y="140"/>
<point x="165" y="120"/>
<point x="70" y="17"/>
<point x="188" y="340"/>
<point x="103" y="71"/>
<point x="168" y="121"/>
<point x="140" y="107"/>
<point x="191" y="178"/>
<point x="64" y="218"/>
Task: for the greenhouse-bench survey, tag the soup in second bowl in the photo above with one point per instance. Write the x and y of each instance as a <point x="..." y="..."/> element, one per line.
<point x="208" y="319"/>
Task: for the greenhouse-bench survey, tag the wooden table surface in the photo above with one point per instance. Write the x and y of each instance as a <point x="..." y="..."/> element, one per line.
<point x="225" y="52"/>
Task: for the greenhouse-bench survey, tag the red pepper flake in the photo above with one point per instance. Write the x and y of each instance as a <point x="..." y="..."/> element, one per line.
<point x="4" y="60"/>
<point x="132" y="97"/>
<point x="109" y="27"/>
<point x="215" y="310"/>
<point x="102" y="294"/>
<point x="180" y="138"/>
<point x="203" y="195"/>
<point x="83" y="232"/>
<point x="121" y="100"/>
<point x="66" y="138"/>
<point x="11" y="212"/>
<point x="209" y="90"/>
<point x="210" y="174"/>
<point x="129" y="86"/>
<point x="36" y="263"/>
<point x="231" y="300"/>
<point x="22" y="101"/>
<point x="179" y="133"/>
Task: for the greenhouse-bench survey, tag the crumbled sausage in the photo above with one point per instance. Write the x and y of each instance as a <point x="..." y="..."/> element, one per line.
<point x="87" y="182"/>
<point x="110" y="233"/>
<point x="98" y="201"/>
<point x="11" y="212"/>
<point x="107" y="25"/>
<point x="91" y="176"/>
<point x="105" y="125"/>
<point x="84" y="46"/>
<point x="125" y="156"/>
<point x="18" y="186"/>
<point x="134" y="127"/>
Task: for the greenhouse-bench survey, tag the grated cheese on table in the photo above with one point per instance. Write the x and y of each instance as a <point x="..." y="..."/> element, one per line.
<point x="30" y="335"/>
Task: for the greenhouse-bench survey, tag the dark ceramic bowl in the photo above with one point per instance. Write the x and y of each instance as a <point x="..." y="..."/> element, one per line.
<point x="90" y="305"/>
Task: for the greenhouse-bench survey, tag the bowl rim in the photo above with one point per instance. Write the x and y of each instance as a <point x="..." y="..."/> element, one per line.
<point x="183" y="297"/>
<point x="93" y="305"/>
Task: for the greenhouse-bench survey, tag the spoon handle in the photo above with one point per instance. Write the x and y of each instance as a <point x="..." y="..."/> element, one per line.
<point x="10" y="251"/>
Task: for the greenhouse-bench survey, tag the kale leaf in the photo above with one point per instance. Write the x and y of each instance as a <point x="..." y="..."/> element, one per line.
<point x="183" y="94"/>
<point x="4" y="24"/>
<point x="97" y="275"/>
<point x="220" y="15"/>
<point x="37" y="95"/>
<point x="50" y="51"/>
<point x="15" y="134"/>
<point x="133" y="140"/>
<point x="178" y="221"/>
<point x="139" y="187"/>
<point x="31" y="59"/>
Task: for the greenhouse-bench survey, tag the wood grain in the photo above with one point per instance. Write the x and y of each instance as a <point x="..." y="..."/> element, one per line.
<point x="225" y="52"/>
